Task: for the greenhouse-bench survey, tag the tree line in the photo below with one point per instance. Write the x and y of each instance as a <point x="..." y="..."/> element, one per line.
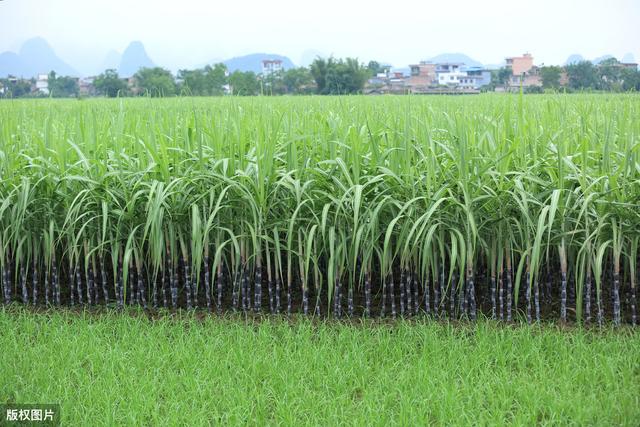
<point x="609" y="75"/>
<point x="323" y="76"/>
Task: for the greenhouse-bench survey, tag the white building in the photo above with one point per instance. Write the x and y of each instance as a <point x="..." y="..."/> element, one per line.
<point x="449" y="74"/>
<point x="42" y="83"/>
<point x="271" y="66"/>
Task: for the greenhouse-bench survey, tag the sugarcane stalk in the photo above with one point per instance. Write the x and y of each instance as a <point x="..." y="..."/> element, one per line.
<point x="471" y="292"/>
<point x="23" y="284"/>
<point x="367" y="293"/>
<point x="207" y="278"/>
<point x="257" y="303"/>
<point x="402" y="291"/>
<point x="34" y="281"/>
<point x="392" y="295"/>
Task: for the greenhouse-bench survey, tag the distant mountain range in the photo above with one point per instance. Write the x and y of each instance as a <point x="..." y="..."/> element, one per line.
<point x="253" y="62"/>
<point x="34" y="57"/>
<point x="575" y="58"/>
<point x="456" y="58"/>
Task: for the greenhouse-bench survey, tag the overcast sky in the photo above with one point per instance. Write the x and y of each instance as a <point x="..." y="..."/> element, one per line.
<point x="186" y="33"/>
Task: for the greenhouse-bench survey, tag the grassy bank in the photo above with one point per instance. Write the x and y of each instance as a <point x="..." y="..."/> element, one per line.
<point x="109" y="369"/>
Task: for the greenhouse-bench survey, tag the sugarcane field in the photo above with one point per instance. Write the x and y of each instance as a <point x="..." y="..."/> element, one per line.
<point x="486" y="241"/>
<point x="503" y="207"/>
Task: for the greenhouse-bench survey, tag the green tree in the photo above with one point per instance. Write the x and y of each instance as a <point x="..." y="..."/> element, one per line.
<point x="216" y="78"/>
<point x="609" y="75"/>
<point x="244" y="83"/>
<point x="62" y="86"/>
<point x="501" y="76"/>
<point x="298" y="80"/>
<point x="630" y="79"/>
<point x="110" y="84"/>
<point x="15" y="88"/>
<point x="582" y="75"/>
<point x="341" y="76"/>
<point x="155" y="82"/>
<point x="374" y="67"/>
<point x="551" y="76"/>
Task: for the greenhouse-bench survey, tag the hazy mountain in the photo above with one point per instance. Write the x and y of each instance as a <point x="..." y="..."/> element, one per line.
<point x="309" y="55"/>
<point x="574" y="59"/>
<point x="133" y="58"/>
<point x="35" y="57"/>
<point x="455" y="57"/>
<point x="599" y="59"/>
<point x="253" y="62"/>
<point x="111" y="61"/>
<point x="628" y="58"/>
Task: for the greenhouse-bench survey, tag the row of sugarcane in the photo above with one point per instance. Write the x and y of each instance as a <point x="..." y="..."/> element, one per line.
<point x="404" y="292"/>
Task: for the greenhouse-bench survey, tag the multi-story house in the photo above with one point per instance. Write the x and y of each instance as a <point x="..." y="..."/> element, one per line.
<point x="271" y="66"/>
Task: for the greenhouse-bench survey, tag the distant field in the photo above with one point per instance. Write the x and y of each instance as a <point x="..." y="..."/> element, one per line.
<point x="121" y="369"/>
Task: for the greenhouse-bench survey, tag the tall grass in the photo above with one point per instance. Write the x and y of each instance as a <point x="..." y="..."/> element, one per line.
<point x="338" y="206"/>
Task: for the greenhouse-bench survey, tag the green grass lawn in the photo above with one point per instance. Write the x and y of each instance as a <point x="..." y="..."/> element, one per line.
<point x="118" y="369"/>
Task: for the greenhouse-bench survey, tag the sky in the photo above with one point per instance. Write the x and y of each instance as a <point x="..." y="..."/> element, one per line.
<point x="189" y="33"/>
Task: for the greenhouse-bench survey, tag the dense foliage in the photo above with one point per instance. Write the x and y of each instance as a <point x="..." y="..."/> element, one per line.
<point x="344" y="205"/>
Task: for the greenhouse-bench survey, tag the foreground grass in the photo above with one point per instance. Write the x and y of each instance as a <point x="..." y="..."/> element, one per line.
<point x="110" y="369"/>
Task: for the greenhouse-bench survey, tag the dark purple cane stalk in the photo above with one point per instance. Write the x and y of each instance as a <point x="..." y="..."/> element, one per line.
<point x="235" y="291"/>
<point x="452" y="297"/>
<point x="120" y="284"/>
<point x="207" y="285"/>
<point x="402" y="292"/>
<point x="471" y="294"/>
<point x="500" y="295"/>
<point x="246" y="301"/>
<point x="142" y="289"/>
<point x="384" y="298"/>
<point x="528" y="295"/>
<point x="54" y="282"/>
<point x="350" y="308"/>
<point x="91" y="291"/>
<point x="103" y="279"/>
<point x="509" y="295"/>
<point x="563" y="297"/>
<point x="336" y="299"/>
<point x="257" y="299"/>
<point x="278" y="286"/>
<point x="134" y="288"/>
<point x="5" y="283"/>
<point x="367" y="294"/>
<point x="536" y="298"/>
<point x="634" y="319"/>
<point x="187" y="281"/>
<point x="409" y="295"/>
<point x="616" y="296"/>
<point x="272" y="308"/>
<point x="219" y="284"/>
<point x="427" y="302"/>
<point x="600" y="310"/>
<point x="436" y="295"/>
<point x="305" y="300"/>
<point x="174" y="284"/>
<point x="416" y="299"/>
<point x="47" y="289"/>
<point x="548" y="295"/>
<point x="587" y="297"/>
<point x="392" y="296"/>
<point x="23" y="284"/>
<point x="34" y="282"/>
<point x="289" y="301"/>
<point x="493" y="296"/>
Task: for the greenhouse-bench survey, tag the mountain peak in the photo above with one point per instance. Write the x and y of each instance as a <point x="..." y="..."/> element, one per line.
<point x="34" y="57"/>
<point x="133" y="58"/>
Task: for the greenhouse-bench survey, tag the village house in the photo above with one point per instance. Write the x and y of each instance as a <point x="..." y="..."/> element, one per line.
<point x="523" y="73"/>
<point x="42" y="84"/>
<point x="271" y="66"/>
